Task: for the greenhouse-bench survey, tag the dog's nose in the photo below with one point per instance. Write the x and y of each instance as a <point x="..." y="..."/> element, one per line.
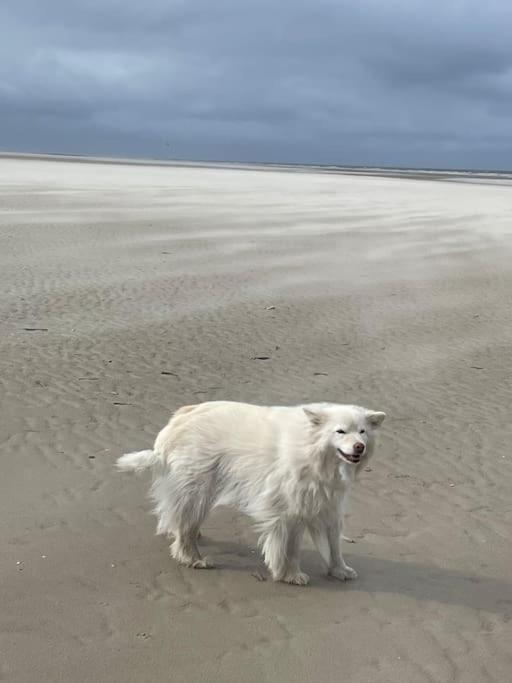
<point x="358" y="448"/>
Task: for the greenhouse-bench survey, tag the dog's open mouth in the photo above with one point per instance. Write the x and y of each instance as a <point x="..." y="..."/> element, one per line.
<point x="352" y="459"/>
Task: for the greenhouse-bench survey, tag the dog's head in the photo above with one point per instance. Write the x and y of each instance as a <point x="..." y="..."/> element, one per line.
<point x="347" y="431"/>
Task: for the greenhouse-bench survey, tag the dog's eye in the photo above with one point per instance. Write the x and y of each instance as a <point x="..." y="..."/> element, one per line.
<point x="341" y="431"/>
<point x="363" y="431"/>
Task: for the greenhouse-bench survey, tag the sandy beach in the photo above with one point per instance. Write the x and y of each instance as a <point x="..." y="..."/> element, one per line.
<point x="128" y="291"/>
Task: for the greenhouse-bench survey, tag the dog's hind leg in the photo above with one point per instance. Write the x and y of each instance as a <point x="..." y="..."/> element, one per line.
<point x="190" y="514"/>
<point x="186" y="552"/>
<point x="163" y="492"/>
<point x="182" y="504"/>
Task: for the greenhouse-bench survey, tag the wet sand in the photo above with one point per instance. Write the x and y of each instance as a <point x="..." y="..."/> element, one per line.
<point x="128" y="291"/>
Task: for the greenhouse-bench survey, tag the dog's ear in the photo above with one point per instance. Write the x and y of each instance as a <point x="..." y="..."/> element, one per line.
<point x="316" y="418"/>
<point x="375" y="418"/>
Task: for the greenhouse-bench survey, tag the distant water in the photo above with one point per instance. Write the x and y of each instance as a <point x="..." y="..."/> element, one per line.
<point x="454" y="175"/>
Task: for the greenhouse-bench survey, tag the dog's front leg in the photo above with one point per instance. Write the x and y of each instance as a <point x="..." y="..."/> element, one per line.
<point x="325" y="534"/>
<point x="337" y="565"/>
<point x="281" y="549"/>
<point x="293" y="573"/>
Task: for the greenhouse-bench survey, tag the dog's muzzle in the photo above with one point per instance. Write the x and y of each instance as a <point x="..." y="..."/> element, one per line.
<point x="352" y="459"/>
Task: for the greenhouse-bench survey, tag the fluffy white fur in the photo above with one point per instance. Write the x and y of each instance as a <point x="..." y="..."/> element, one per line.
<point x="288" y="468"/>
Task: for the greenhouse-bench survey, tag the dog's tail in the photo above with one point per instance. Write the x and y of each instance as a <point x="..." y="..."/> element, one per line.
<point x="136" y="462"/>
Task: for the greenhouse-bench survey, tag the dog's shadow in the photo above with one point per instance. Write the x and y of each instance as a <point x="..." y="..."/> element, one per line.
<point x="418" y="581"/>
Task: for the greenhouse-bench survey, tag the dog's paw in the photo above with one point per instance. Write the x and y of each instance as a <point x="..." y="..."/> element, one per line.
<point x="347" y="539"/>
<point x="202" y="564"/>
<point x="345" y="573"/>
<point x="297" y="579"/>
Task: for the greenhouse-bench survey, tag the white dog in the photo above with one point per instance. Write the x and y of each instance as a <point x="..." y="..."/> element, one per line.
<point x="289" y="468"/>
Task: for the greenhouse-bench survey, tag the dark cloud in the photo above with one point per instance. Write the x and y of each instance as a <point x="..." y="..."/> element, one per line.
<point x="406" y="82"/>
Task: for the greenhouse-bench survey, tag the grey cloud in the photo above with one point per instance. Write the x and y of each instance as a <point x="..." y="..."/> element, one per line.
<point x="411" y="82"/>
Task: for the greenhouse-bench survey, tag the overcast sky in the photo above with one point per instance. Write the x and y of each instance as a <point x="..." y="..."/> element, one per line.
<point x="395" y="82"/>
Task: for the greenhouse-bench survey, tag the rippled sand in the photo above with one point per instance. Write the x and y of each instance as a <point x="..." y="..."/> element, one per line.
<point x="130" y="290"/>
